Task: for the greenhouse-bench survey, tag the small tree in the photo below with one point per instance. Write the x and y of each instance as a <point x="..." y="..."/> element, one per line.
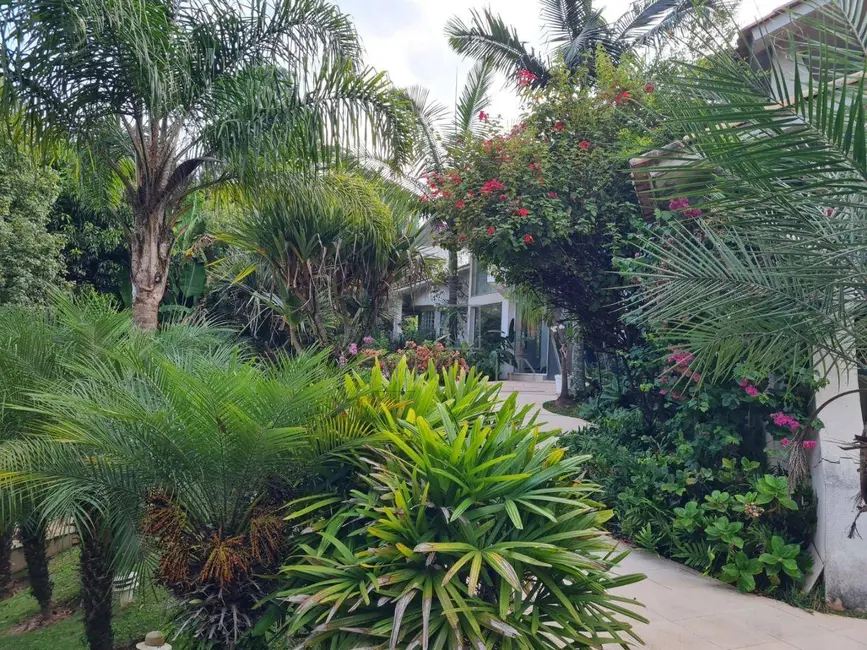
<point x="547" y="204"/>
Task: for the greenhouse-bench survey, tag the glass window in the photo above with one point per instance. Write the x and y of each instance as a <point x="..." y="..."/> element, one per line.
<point x="488" y="323"/>
<point x="481" y="284"/>
<point x="426" y="324"/>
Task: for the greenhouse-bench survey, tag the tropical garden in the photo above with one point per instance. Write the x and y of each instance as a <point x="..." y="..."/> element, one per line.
<point x="208" y="210"/>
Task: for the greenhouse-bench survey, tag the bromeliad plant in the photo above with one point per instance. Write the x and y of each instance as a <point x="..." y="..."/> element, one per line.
<point x="474" y="528"/>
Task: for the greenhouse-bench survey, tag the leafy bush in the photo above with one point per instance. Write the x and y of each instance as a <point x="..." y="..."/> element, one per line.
<point x="469" y="526"/>
<point x="733" y="519"/>
<point x="417" y="356"/>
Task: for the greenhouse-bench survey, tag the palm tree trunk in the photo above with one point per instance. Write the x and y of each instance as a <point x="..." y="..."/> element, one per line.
<point x="97" y="576"/>
<point x="33" y="543"/>
<point x="5" y="560"/>
<point x="578" y="364"/>
<point x="452" y="284"/>
<point x="564" y="400"/>
<point x="150" y="249"/>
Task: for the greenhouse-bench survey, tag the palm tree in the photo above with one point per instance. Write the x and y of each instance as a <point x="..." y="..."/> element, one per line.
<point x="191" y="441"/>
<point x="438" y="148"/>
<point x="327" y="250"/>
<point x="769" y="268"/>
<point x="574" y="30"/>
<point x="29" y="361"/>
<point x="163" y="98"/>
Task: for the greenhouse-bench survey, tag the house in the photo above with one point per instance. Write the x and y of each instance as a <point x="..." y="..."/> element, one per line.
<point x="491" y="315"/>
<point x="839" y="547"/>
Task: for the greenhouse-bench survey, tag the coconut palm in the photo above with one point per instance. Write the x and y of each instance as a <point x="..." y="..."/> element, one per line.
<point x="574" y="30"/>
<point x="438" y="148"/>
<point x="164" y="98"/>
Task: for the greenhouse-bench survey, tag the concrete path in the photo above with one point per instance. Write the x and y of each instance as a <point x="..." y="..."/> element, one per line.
<point x="688" y="611"/>
<point x="537" y="393"/>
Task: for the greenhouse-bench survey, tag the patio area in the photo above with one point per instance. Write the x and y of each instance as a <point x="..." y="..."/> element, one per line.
<point x="689" y="611"/>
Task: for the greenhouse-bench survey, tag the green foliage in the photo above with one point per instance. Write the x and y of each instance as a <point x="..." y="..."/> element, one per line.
<point x="765" y="198"/>
<point x="730" y="519"/>
<point x="547" y="205"/>
<point x="30" y="255"/>
<point x="469" y="526"/>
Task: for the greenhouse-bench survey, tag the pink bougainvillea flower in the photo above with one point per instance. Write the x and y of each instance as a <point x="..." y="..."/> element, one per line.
<point x="446" y="194"/>
<point x="649" y="88"/>
<point x="491" y="230"/>
<point x="663" y="392"/>
<point x="522" y="212"/>
<point x="483" y="116"/>
<point x="502" y="197"/>
<point x="584" y="145"/>
<point x="621" y="96"/>
<point x="559" y="126"/>
<point x="809" y="444"/>
<point x="751" y="390"/>
<point x="553" y="195"/>
<point x="679" y="203"/>
<point x="528" y="239"/>
<point x="424" y="198"/>
<point x="786" y="421"/>
<point x="692" y="213"/>
<point x="785" y="442"/>
<point x="460" y="204"/>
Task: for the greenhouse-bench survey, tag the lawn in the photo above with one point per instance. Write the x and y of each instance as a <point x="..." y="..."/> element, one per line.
<point x="131" y="623"/>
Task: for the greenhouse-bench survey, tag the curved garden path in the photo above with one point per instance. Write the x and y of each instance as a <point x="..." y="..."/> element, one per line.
<point x="688" y="611"/>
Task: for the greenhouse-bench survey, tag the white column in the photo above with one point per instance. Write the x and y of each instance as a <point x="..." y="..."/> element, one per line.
<point x="836" y="483"/>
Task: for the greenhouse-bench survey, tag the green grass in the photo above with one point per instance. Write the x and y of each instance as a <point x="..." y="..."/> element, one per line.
<point x="572" y="411"/>
<point x="148" y="612"/>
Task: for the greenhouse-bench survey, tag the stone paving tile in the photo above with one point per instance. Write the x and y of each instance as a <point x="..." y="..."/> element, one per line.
<point x="689" y="611"/>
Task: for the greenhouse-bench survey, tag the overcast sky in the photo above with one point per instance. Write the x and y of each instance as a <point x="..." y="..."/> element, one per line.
<point x="405" y="37"/>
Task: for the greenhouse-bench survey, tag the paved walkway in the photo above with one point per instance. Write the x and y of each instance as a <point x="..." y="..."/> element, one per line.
<point x="536" y="393"/>
<point x="688" y="611"/>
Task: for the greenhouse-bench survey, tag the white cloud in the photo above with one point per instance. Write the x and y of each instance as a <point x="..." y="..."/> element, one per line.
<point x="406" y="38"/>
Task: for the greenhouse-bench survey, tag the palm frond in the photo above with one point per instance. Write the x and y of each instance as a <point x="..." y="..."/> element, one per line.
<point x="475" y="98"/>
<point x="488" y="37"/>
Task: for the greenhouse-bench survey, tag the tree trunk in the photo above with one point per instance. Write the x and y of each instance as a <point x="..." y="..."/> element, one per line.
<point x="564" y="400"/>
<point x="97" y="576"/>
<point x="33" y="543"/>
<point x="5" y="560"/>
<point x="150" y="248"/>
<point x="452" y="285"/>
<point x="578" y="364"/>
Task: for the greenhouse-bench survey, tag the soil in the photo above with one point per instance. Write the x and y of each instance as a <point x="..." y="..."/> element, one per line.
<point x="59" y="611"/>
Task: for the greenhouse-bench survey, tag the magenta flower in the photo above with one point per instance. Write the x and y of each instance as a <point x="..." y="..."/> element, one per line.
<point x="785" y="442"/>
<point x="809" y="444"/>
<point x="353" y="349"/>
<point x="785" y="421"/>
<point x="751" y="390"/>
<point x="678" y="204"/>
<point x="368" y="339"/>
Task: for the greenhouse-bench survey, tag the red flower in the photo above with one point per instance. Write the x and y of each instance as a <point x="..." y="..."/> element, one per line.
<point x="502" y="197"/>
<point x="649" y="88"/>
<point x="483" y="116"/>
<point x="621" y="96"/>
<point x="460" y="205"/>
<point x="584" y="145"/>
<point x="559" y="126"/>
<point x="525" y="77"/>
<point x="446" y="194"/>
<point x="462" y="238"/>
<point x="553" y="195"/>
<point x="490" y="230"/>
<point x="528" y="239"/>
<point x="424" y="198"/>
<point x="492" y="186"/>
<point x="522" y="212"/>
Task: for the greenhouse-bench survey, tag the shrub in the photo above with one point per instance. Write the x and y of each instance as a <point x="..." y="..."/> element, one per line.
<point x="471" y="527"/>
<point x="417" y="356"/>
<point x="733" y="520"/>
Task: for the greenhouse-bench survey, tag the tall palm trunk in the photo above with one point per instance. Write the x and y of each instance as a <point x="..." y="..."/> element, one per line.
<point x="452" y="285"/>
<point x="5" y="560"/>
<point x="150" y="248"/>
<point x="579" y="367"/>
<point x="97" y="576"/>
<point x="33" y="542"/>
